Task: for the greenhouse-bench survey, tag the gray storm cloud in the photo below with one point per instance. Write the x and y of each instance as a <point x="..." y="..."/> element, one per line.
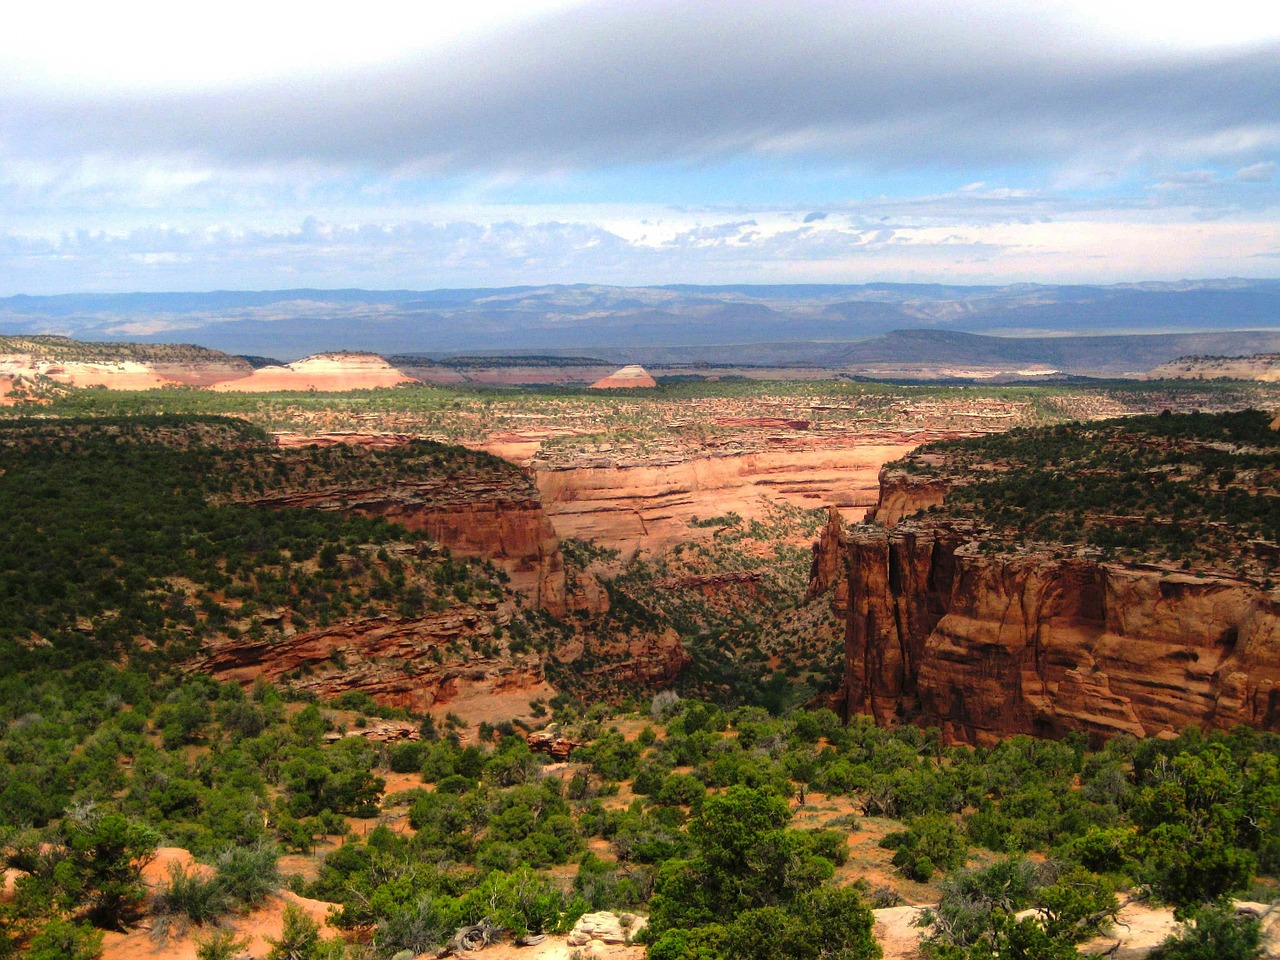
<point x="888" y="84"/>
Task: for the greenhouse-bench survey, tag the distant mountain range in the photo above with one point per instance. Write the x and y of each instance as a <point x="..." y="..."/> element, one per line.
<point x="680" y="323"/>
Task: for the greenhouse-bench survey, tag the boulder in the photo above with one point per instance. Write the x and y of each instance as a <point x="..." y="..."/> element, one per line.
<point x="605" y="927"/>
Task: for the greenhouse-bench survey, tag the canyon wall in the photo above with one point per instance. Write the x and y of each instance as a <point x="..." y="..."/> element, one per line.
<point x="988" y="645"/>
<point x="651" y="505"/>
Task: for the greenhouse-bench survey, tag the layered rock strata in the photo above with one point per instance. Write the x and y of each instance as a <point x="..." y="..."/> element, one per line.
<point x="1042" y="642"/>
<point x="402" y="662"/>
<point x="650" y="506"/>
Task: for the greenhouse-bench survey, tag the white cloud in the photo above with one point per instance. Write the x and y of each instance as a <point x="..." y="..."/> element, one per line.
<point x="1262" y="172"/>
<point x="160" y="45"/>
<point x="419" y="255"/>
<point x="151" y="145"/>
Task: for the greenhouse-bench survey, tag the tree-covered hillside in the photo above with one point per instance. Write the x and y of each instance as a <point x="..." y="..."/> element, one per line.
<point x="1194" y="489"/>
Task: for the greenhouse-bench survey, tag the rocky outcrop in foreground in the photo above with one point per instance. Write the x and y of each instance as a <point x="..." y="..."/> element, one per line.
<point x="987" y="645"/>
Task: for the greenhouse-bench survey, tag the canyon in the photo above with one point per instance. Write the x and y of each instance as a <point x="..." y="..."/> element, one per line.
<point x="940" y="630"/>
<point x="650" y="506"/>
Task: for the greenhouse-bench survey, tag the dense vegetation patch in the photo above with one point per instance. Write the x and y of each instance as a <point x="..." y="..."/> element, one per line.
<point x="1194" y="488"/>
<point x="690" y="813"/>
<point x="114" y="546"/>
<point x="64" y="349"/>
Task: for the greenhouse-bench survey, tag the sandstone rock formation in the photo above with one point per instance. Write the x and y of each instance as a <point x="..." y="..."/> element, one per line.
<point x="605" y="927"/>
<point x="991" y="645"/>
<point x="415" y="663"/>
<point x="632" y="375"/>
<point x="122" y="374"/>
<point x="322" y="372"/>
<point x="116" y="366"/>
<point x="650" y="505"/>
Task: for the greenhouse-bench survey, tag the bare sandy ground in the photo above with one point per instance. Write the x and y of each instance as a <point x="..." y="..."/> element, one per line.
<point x="267" y="921"/>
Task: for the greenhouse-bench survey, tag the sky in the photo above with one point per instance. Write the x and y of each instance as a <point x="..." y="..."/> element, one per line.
<point x="155" y="146"/>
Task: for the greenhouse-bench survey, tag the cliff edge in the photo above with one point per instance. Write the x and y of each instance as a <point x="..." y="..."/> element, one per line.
<point x="958" y="618"/>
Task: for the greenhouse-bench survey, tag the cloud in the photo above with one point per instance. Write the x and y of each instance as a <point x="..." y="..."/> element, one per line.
<point x="1258" y="172"/>
<point x="888" y="85"/>
<point x="814" y="217"/>
<point x="425" y="255"/>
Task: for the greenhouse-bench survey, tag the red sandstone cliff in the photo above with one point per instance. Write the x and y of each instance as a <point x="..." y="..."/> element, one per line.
<point x="417" y="663"/>
<point x="990" y="645"/>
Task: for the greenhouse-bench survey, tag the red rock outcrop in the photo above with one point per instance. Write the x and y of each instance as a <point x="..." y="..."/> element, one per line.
<point x="987" y="645"/>
<point x="903" y="495"/>
<point x="639" y="661"/>
<point x="413" y="663"/>
<point x="651" y="505"/>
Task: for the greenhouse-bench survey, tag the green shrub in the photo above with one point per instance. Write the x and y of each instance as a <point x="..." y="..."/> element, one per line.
<point x="190" y="896"/>
<point x="249" y="874"/>
<point x="220" y="944"/>
<point x="63" y="940"/>
<point x="407" y="757"/>
<point x="1215" y="934"/>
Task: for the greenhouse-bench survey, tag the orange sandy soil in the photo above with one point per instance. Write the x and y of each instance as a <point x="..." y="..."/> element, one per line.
<point x="6" y="384"/>
<point x="867" y="859"/>
<point x="266" y="921"/>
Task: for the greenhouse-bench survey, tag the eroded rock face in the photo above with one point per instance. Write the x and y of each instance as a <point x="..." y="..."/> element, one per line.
<point x="991" y="645"/>
<point x="402" y="662"/>
<point x="903" y="495"/>
<point x="652" y="505"/>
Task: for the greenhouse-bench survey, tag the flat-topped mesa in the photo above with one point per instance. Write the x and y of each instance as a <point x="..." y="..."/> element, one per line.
<point x="116" y="366"/>
<point x="952" y="621"/>
<point x="322" y="372"/>
<point x="1263" y="367"/>
<point x="632" y="375"/>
